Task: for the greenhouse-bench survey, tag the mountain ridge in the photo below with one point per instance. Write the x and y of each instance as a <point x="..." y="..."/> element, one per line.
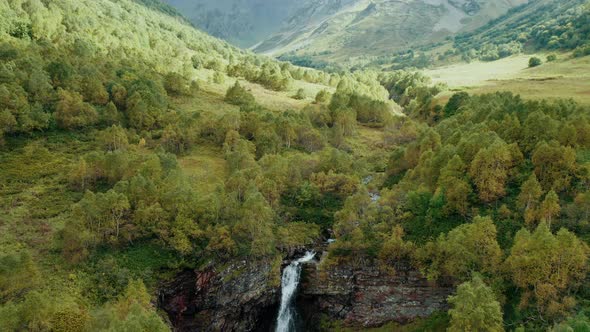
<point x="242" y="23"/>
<point x="381" y="26"/>
<point x="277" y="27"/>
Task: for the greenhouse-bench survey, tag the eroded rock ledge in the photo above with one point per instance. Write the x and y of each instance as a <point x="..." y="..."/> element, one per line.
<point x="241" y="296"/>
<point x="244" y="296"/>
<point x="369" y="297"/>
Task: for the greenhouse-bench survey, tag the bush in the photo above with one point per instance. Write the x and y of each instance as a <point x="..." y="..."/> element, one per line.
<point x="582" y="51"/>
<point x="218" y="78"/>
<point x="194" y="88"/>
<point x="175" y="84"/>
<point x="534" y="62"/>
<point x="300" y="95"/>
<point x="322" y="97"/>
<point x="551" y="57"/>
<point x="239" y="96"/>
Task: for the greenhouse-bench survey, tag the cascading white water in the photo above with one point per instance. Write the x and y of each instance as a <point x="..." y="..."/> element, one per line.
<point x="289" y="283"/>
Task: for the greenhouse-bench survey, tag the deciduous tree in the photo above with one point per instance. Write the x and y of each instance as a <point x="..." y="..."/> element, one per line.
<point x="529" y="198"/>
<point x="475" y="308"/>
<point x="468" y="248"/>
<point x="548" y="268"/>
<point x="72" y="112"/>
<point x="554" y="166"/>
<point x="550" y="207"/>
<point x="489" y="171"/>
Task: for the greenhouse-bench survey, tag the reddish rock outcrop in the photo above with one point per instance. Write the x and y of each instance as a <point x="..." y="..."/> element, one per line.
<point x="244" y="296"/>
<point x="240" y="297"/>
<point x="369" y="297"/>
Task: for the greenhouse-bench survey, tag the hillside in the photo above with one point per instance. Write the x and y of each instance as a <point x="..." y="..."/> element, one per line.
<point x="243" y="23"/>
<point x="335" y="30"/>
<point x="332" y="30"/>
<point x="536" y="26"/>
<point x="565" y="77"/>
<point x="542" y="24"/>
<point x="134" y="147"/>
<point x="391" y="34"/>
<point x="116" y="137"/>
<point x="156" y="178"/>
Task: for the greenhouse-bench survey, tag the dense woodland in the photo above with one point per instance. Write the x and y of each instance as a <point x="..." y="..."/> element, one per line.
<point x="491" y="191"/>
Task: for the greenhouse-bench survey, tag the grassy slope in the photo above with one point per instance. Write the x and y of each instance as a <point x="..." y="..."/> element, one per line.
<point x="565" y="78"/>
<point x="33" y="198"/>
<point x="274" y="100"/>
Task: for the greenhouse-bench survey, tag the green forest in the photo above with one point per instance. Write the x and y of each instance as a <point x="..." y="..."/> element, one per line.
<point x="106" y="107"/>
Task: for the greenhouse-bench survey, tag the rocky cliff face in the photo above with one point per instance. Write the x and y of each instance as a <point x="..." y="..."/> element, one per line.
<point x="240" y="297"/>
<point x="368" y="297"/>
<point x="244" y="296"/>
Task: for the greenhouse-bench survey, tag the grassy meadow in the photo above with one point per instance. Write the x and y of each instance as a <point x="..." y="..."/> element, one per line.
<point x="566" y="77"/>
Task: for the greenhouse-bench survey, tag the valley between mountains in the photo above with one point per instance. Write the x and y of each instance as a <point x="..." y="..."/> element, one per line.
<point x="330" y="165"/>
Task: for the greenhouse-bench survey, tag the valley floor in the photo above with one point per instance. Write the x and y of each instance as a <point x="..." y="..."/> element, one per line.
<point x="565" y="78"/>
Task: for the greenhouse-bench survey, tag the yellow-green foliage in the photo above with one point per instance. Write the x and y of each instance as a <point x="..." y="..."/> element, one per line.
<point x="133" y="311"/>
<point x="547" y="267"/>
<point x="467" y="248"/>
<point x="125" y="29"/>
<point x="475" y="308"/>
<point x="18" y="273"/>
<point x="117" y="166"/>
<point x="275" y="271"/>
<point x="132" y="32"/>
<point x="295" y="235"/>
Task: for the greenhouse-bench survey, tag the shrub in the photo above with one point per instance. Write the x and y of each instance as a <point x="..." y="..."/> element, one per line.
<point x="175" y="84"/>
<point x="218" y="78"/>
<point x="322" y="97"/>
<point x="239" y="96"/>
<point x="534" y="62"/>
<point x="194" y="88"/>
<point x="582" y="51"/>
<point x="300" y="95"/>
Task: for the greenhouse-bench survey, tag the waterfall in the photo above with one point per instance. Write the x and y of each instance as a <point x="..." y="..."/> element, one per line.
<point x="289" y="283"/>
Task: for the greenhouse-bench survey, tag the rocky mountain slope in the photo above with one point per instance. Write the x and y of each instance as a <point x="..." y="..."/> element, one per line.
<point x="333" y="29"/>
<point x="343" y="27"/>
<point x="243" y="23"/>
